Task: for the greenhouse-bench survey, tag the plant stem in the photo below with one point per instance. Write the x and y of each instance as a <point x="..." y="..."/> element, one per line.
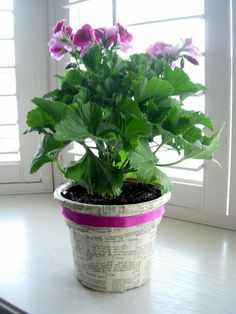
<point x="124" y="163"/>
<point x="158" y="147"/>
<point x="128" y="170"/>
<point x="59" y="167"/>
<point x="100" y="147"/>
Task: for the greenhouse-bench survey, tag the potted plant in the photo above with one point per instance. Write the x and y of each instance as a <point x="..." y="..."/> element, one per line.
<point x="123" y="110"/>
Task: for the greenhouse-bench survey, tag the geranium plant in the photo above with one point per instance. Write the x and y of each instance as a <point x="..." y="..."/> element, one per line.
<point x="117" y="107"/>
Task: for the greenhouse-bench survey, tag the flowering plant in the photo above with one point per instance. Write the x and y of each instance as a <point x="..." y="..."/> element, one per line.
<point x="116" y="107"/>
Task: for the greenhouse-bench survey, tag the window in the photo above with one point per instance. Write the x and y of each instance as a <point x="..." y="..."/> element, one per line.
<point x="9" y="131"/>
<point x="23" y="74"/>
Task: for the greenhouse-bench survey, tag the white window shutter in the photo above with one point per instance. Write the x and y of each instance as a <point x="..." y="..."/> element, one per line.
<point x="27" y="73"/>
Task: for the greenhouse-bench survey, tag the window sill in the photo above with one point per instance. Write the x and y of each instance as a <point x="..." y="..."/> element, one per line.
<point x="193" y="267"/>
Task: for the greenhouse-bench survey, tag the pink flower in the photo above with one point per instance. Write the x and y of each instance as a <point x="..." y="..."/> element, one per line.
<point x="190" y="48"/>
<point x="172" y="53"/>
<point x="125" y="36"/>
<point x="114" y="36"/>
<point x="99" y="34"/>
<point x="161" y="49"/>
<point x="57" y="51"/>
<point x="106" y="36"/>
<point x="68" y="31"/>
<point x="59" y="45"/>
<point x="191" y="51"/>
<point x="59" y="26"/>
<point x="84" y="38"/>
<point x="60" y="42"/>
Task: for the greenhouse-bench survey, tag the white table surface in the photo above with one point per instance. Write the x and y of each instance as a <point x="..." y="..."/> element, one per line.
<point x="194" y="267"/>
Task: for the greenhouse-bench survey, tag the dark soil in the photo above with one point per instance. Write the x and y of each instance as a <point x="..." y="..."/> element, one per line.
<point x="133" y="193"/>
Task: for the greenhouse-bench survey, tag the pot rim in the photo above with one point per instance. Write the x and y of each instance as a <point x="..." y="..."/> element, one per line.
<point x="109" y="210"/>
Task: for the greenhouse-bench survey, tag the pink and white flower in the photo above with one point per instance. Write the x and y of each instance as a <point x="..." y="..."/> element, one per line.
<point x="60" y="42"/>
<point x="84" y="38"/>
<point x="161" y="49"/>
<point x="190" y="51"/>
<point x="172" y="53"/>
<point x="116" y="36"/>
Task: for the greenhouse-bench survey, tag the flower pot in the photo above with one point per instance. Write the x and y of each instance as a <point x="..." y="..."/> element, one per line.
<point x="112" y="244"/>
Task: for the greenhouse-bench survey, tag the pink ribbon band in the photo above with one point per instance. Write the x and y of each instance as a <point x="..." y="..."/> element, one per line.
<point x="110" y="221"/>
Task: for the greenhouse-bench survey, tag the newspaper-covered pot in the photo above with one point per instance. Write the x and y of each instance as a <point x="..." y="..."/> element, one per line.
<point x="112" y="244"/>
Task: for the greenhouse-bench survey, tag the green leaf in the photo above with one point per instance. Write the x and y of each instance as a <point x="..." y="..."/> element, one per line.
<point x="166" y="135"/>
<point x="67" y="93"/>
<point x="71" y="128"/>
<point x="38" y="119"/>
<point x="107" y="131"/>
<point x="81" y="97"/>
<point x="122" y="158"/>
<point x="59" y="76"/>
<point x="92" y="59"/>
<point x="129" y="108"/>
<point x="193" y="134"/>
<point x="73" y="77"/>
<point x="136" y="127"/>
<point x="144" y="162"/>
<point x="47" y="145"/>
<point x="158" y="110"/>
<point x="135" y="124"/>
<point x="64" y="95"/>
<point x="203" y="150"/>
<point x="155" y="87"/>
<point x="163" y="181"/>
<point x="95" y="175"/>
<point x="179" y="120"/>
<point x="193" y="118"/>
<point x="91" y="115"/>
<point x="77" y="126"/>
<point x="71" y="65"/>
<point x="181" y="82"/>
<point x="53" y="94"/>
<point x="57" y="110"/>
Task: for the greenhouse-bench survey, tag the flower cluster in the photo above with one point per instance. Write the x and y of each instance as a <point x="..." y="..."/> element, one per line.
<point x="168" y="51"/>
<point x="82" y="40"/>
<point x="130" y="109"/>
<point x="64" y="40"/>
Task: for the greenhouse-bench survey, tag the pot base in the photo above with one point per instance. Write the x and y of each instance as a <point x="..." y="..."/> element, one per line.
<point x="113" y="259"/>
<point x="91" y="287"/>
